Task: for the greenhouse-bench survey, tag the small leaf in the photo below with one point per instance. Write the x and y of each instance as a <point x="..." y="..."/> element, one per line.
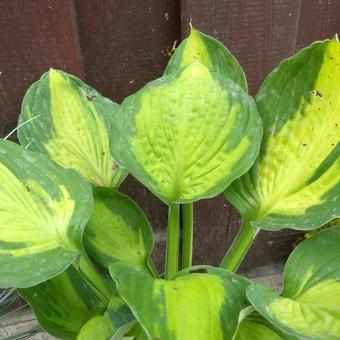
<point x="209" y="52"/>
<point x="295" y="182"/>
<point x="187" y="135"/>
<point x="195" y="306"/>
<point x="113" y="324"/>
<point x="63" y="304"/>
<point x="43" y="212"/>
<point x="309" y="305"/>
<point x="71" y="123"/>
<point x="117" y="230"/>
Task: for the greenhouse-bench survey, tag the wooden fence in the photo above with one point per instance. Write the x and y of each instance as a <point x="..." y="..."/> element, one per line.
<point x="118" y="45"/>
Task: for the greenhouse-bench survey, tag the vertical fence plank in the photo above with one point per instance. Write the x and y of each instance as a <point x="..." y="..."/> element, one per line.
<point x="125" y="44"/>
<point x="318" y="20"/>
<point x="35" y="35"/>
<point x="260" y="33"/>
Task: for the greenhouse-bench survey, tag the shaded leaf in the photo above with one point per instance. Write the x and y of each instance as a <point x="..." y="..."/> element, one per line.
<point x="117" y="230"/>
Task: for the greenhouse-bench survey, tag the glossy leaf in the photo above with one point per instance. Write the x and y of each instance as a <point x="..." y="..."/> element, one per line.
<point x="64" y="304"/>
<point x="295" y="182"/>
<point x="309" y="305"/>
<point x="193" y="306"/>
<point x="71" y="123"/>
<point x="117" y="230"/>
<point x="211" y="53"/>
<point x="187" y="135"/>
<point x="43" y="212"/>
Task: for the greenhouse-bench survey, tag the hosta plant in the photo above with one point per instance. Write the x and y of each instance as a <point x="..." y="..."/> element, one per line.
<point x="80" y="252"/>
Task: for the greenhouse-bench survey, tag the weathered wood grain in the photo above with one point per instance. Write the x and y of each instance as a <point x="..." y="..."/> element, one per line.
<point x="35" y="35"/>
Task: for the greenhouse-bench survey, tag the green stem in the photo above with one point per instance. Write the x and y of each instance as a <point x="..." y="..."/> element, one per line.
<point x="239" y="247"/>
<point x="172" y="241"/>
<point x="188" y="223"/>
<point x="152" y="268"/>
<point x="91" y="275"/>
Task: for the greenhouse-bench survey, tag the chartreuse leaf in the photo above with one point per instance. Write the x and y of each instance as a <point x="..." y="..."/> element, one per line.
<point x="193" y="306"/>
<point x="309" y="305"/>
<point x="71" y="123"/>
<point x="187" y="135"/>
<point x="117" y="230"/>
<point x="211" y="53"/>
<point x="113" y="324"/>
<point x="256" y="327"/>
<point x="43" y="212"/>
<point x="68" y="308"/>
<point x="295" y="182"/>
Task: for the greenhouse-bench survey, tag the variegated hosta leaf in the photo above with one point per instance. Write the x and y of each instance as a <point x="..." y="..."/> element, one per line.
<point x="71" y="123"/>
<point x="43" y="212"/>
<point x="295" y="182"/>
<point x="187" y="135"/>
<point x="63" y="304"/>
<point x="196" y="306"/>
<point x="310" y="303"/>
<point x="117" y="230"/>
<point x="256" y="327"/>
<point x="113" y="324"/>
<point x="67" y="307"/>
<point x="211" y="53"/>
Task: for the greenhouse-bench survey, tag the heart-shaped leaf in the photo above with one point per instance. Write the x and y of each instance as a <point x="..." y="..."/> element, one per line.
<point x="211" y="53"/>
<point x="117" y="231"/>
<point x="295" y="182"/>
<point x="43" y="212"/>
<point x="196" y="306"/>
<point x="71" y="123"/>
<point x="309" y="305"/>
<point x="187" y="135"/>
<point x="68" y="308"/>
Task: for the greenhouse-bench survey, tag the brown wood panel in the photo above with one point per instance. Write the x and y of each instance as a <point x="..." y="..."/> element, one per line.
<point x="319" y="19"/>
<point x="35" y="35"/>
<point x="125" y="44"/>
<point x="260" y="33"/>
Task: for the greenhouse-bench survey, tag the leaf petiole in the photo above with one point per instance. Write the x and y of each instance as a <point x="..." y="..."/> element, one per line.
<point x="239" y="247"/>
<point x="188" y="219"/>
<point x="172" y="241"/>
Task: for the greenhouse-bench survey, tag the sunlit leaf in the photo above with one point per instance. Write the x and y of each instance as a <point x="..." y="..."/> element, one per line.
<point x="309" y="305"/>
<point x="187" y="135"/>
<point x="71" y="123"/>
<point x="295" y="182"/>
<point x="117" y="230"/>
<point x="43" y="212"/>
<point x="211" y="53"/>
<point x="196" y="306"/>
